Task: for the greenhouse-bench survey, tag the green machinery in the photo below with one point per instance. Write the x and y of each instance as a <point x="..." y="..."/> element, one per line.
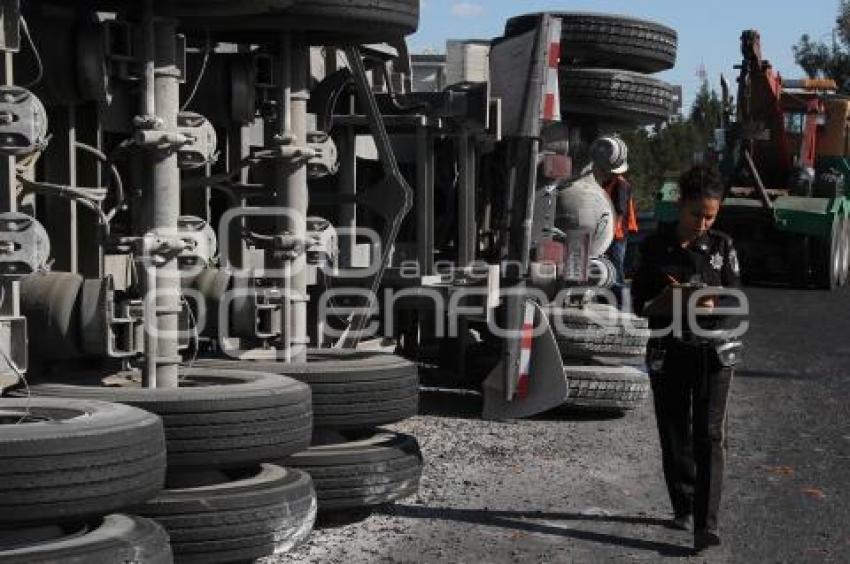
<point x="785" y="158"/>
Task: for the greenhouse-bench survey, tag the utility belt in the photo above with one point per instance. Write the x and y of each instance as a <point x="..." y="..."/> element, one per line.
<point x="727" y="352"/>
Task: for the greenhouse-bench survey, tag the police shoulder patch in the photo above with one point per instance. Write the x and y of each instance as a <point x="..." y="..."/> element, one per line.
<point x="732" y="260"/>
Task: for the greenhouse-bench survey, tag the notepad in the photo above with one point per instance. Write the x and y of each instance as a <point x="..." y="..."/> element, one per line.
<point x="662" y="304"/>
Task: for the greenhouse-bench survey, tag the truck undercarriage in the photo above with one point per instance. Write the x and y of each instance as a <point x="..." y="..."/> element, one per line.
<point x="238" y="216"/>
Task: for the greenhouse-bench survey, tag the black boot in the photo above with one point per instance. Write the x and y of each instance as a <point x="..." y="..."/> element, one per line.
<point x="682" y="522"/>
<point x="704" y="539"/>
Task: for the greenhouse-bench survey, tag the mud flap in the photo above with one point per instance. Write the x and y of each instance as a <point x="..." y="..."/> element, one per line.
<point x="511" y="394"/>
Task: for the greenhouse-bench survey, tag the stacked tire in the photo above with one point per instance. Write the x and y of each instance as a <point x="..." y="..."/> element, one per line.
<point x="223" y="500"/>
<point x="354" y="463"/>
<point x="605" y="63"/>
<point x="340" y="21"/>
<point x="67" y="467"/>
<point x="603" y="351"/>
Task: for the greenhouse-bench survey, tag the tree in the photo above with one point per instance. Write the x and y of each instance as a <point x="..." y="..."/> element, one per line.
<point x="668" y="149"/>
<point x="822" y="60"/>
<point x="707" y="110"/>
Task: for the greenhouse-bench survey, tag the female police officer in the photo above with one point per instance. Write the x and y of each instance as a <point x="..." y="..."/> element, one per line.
<point x="690" y="363"/>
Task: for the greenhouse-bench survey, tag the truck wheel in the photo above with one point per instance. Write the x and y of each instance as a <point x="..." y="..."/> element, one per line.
<point x="379" y="469"/>
<point x="216" y="418"/>
<point x="843" y="268"/>
<point x="50" y="303"/>
<point x="607" y="41"/>
<point x="365" y="20"/>
<point x="351" y="389"/>
<point x="245" y="515"/>
<point x="65" y="459"/>
<point x="830" y="260"/>
<point x="229" y="8"/>
<point x="598" y="330"/>
<point x="621" y="96"/>
<point x="606" y="388"/>
<point x="602" y="343"/>
<point x="114" y="538"/>
<point x="394" y="17"/>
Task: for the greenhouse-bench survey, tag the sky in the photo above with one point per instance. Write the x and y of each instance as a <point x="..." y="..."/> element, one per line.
<point x="709" y="31"/>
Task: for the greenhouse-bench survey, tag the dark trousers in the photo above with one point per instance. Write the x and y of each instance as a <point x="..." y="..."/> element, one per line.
<point x="690" y="393"/>
<point x="617" y="254"/>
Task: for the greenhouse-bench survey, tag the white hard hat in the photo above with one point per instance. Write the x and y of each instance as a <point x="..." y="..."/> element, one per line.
<point x="610" y="154"/>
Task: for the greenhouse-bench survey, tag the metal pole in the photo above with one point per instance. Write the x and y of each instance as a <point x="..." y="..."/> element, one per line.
<point x="88" y="172"/>
<point x="348" y="189"/>
<point x="149" y="30"/>
<point x="164" y="194"/>
<point x="10" y="306"/>
<point x="147" y="109"/>
<point x="295" y="57"/>
<point x="424" y="200"/>
<point x="466" y="201"/>
<point x="149" y="379"/>
<point x="59" y="166"/>
<point x="72" y="181"/>
<point x="239" y="147"/>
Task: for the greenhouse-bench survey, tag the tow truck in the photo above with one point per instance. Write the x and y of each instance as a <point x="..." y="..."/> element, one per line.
<point x="784" y="156"/>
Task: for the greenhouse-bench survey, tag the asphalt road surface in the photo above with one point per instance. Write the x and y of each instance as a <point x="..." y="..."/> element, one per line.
<point x="567" y="489"/>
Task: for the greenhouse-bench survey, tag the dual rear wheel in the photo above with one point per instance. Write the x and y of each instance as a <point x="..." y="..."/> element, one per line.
<point x="832" y="256"/>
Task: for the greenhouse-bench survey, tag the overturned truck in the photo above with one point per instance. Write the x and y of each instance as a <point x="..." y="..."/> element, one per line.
<point x="238" y="216"/>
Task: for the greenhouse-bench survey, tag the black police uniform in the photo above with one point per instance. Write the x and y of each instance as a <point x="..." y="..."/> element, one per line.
<point x="690" y="375"/>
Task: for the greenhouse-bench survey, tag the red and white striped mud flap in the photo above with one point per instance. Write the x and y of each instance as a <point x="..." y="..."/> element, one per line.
<point x="550" y="109"/>
<point x="525" y="345"/>
<point x="539" y="382"/>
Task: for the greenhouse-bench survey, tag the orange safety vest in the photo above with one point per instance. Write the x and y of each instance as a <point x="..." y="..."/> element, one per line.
<point x="629" y="222"/>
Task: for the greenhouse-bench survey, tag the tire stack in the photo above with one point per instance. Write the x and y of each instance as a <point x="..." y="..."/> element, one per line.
<point x="66" y="467"/>
<point x="605" y="62"/>
<point x="223" y="501"/>
<point x="603" y="351"/>
<point x="353" y="462"/>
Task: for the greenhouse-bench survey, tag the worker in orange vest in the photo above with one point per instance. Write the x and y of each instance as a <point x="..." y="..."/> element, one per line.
<point x="609" y="162"/>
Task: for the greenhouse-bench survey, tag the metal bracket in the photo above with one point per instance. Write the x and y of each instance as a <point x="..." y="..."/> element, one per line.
<point x="256" y="311"/>
<point x="284" y="148"/>
<point x="160" y="140"/>
<point x="120" y="50"/>
<point x="13" y="338"/>
<point x="199" y="239"/>
<point x="326" y="159"/>
<point x="200" y="150"/>
<point x="23" y="122"/>
<point x="104" y="331"/>
<point x="323" y="247"/>
<point x="393" y="179"/>
<point x="192" y="241"/>
<point x="289" y="247"/>
<point x="24" y="245"/>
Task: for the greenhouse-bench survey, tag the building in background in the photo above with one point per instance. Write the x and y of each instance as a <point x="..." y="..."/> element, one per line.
<point x="464" y="61"/>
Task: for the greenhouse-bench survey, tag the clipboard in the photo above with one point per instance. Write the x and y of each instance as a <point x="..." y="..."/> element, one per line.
<point x="662" y="304"/>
